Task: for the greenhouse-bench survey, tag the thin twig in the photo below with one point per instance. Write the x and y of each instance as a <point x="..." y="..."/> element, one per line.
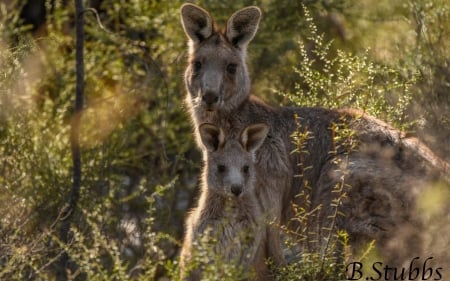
<point x="74" y="139"/>
<point x="97" y="17"/>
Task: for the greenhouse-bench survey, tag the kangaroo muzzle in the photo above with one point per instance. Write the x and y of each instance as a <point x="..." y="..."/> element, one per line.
<point x="210" y="99"/>
<point x="236" y="190"/>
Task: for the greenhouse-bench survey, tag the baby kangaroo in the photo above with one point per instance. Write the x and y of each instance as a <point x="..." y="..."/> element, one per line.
<point x="228" y="212"/>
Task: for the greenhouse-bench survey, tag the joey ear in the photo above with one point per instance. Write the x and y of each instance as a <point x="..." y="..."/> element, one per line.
<point x="253" y="136"/>
<point x="212" y="137"/>
<point x="197" y="23"/>
<point x="242" y="26"/>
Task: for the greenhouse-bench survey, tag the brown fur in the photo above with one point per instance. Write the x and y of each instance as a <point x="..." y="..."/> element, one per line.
<point x="386" y="172"/>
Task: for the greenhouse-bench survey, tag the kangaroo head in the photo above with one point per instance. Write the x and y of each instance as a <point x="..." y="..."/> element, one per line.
<point x="216" y="77"/>
<point x="229" y="163"/>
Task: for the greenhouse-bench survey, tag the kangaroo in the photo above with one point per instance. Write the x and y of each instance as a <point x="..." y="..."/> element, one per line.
<point x="228" y="209"/>
<point x="385" y="171"/>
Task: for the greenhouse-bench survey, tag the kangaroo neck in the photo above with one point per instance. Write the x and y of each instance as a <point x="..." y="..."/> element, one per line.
<point x="222" y="115"/>
<point x="222" y="201"/>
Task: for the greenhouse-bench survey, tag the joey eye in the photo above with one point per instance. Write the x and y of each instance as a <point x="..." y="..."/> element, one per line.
<point x="231" y="68"/>
<point x="245" y="169"/>
<point x="221" y="168"/>
<point x="197" y="66"/>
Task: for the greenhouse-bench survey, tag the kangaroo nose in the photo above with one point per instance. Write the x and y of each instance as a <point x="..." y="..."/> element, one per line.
<point x="210" y="98"/>
<point x="236" y="190"/>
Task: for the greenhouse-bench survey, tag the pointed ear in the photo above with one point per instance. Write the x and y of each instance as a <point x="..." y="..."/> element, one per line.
<point x="197" y="23"/>
<point x="242" y="26"/>
<point x="253" y="136"/>
<point x="212" y="137"/>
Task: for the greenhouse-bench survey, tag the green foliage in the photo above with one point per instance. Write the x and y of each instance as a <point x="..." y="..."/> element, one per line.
<point x="210" y="262"/>
<point x="99" y="256"/>
<point x="429" y="55"/>
<point x="35" y="163"/>
<point x="318" y="249"/>
<point x="128" y="147"/>
<point x="341" y="79"/>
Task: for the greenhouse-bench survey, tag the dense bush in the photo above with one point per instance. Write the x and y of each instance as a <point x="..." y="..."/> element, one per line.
<point x="140" y="164"/>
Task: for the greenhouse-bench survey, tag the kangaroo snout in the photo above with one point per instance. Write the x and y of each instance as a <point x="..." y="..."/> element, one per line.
<point x="210" y="98"/>
<point x="236" y="190"/>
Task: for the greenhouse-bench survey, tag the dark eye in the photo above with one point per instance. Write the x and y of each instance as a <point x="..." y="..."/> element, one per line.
<point x="197" y="66"/>
<point x="245" y="169"/>
<point x="221" y="168"/>
<point x="231" y="68"/>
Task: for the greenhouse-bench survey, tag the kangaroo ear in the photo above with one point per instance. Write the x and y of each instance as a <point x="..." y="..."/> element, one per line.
<point x="253" y="136"/>
<point x="197" y="22"/>
<point x="242" y="26"/>
<point x="212" y="137"/>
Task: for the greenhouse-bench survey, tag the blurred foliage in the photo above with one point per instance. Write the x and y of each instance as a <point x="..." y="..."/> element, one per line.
<point x="347" y="80"/>
<point x="140" y="164"/>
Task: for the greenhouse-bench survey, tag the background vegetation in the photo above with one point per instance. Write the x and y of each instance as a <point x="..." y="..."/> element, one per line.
<point x="140" y="164"/>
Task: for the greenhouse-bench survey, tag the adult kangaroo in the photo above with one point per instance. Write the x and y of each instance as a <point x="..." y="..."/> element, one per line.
<point x="384" y="169"/>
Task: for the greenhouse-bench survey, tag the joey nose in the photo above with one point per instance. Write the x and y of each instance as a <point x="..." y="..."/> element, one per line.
<point x="236" y="190"/>
<point x="210" y="98"/>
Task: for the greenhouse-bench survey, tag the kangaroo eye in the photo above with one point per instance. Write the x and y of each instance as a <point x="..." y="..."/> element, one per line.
<point x="245" y="169"/>
<point x="197" y="66"/>
<point x="231" y="68"/>
<point x="221" y="168"/>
